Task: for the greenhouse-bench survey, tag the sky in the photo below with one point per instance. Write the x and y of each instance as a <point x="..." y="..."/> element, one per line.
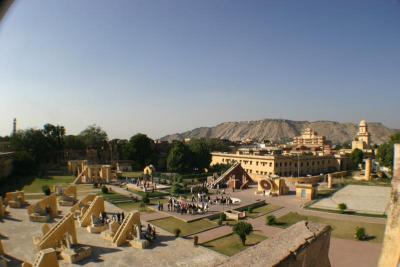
<point x="160" y="67"/>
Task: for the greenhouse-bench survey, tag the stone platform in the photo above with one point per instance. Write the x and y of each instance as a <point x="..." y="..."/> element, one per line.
<point x="358" y="198"/>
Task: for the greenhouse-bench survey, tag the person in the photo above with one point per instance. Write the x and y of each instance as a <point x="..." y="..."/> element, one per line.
<point x="193" y="199"/>
<point x="118" y="217"/>
<point x="123" y="216"/>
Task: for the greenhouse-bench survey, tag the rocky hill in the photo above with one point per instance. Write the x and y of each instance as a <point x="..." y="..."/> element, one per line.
<point x="284" y="130"/>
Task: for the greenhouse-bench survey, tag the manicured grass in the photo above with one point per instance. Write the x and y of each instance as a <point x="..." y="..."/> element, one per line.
<point x="348" y="212"/>
<point x="325" y="193"/>
<point x="113" y="197"/>
<point x="227" y="222"/>
<point x="38" y="182"/>
<point x="34" y="197"/>
<point x="231" y="244"/>
<point x="150" y="194"/>
<point x="340" y="228"/>
<point x="262" y="210"/>
<point x="129" y="206"/>
<point x="132" y="174"/>
<point x="375" y="182"/>
<point x="171" y="223"/>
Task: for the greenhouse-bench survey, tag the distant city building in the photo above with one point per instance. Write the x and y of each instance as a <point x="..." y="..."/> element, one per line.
<point x="309" y="138"/>
<point x="363" y="137"/>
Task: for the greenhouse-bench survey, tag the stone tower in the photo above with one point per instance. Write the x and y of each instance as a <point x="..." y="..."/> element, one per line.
<point x="363" y="138"/>
<point x="14" y="131"/>
<point x="363" y="134"/>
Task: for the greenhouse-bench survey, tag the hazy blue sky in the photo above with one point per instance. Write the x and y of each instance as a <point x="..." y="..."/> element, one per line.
<point x="160" y="67"/>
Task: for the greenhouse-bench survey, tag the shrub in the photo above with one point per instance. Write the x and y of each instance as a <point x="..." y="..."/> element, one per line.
<point x="177" y="189"/>
<point x="200" y="189"/>
<point x="250" y="209"/>
<point x="360" y="233"/>
<point x="142" y="205"/>
<point x="177" y="232"/>
<point x="146" y="199"/>
<point x="342" y="207"/>
<point x="222" y="217"/>
<point x="271" y="220"/>
<point x="219" y="221"/>
<point x="46" y="190"/>
<point x="243" y="229"/>
<point x="95" y="185"/>
<point x="104" y="189"/>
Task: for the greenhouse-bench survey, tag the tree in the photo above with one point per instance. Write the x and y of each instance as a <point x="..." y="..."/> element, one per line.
<point x="141" y="150"/>
<point x="356" y="157"/>
<point x="243" y="229"/>
<point x="219" y="145"/>
<point x="179" y="158"/>
<point x="271" y="220"/>
<point x="342" y="207"/>
<point x="74" y="142"/>
<point x="385" y="153"/>
<point x="360" y="233"/>
<point x="46" y="190"/>
<point x="34" y="142"/>
<point x="55" y="136"/>
<point x="94" y="137"/>
<point x="201" y="154"/>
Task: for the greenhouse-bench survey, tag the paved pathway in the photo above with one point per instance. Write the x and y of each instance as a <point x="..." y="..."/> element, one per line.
<point x="345" y="253"/>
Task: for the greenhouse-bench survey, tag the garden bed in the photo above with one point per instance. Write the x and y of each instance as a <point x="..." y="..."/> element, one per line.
<point x="340" y="228"/>
<point x="231" y="244"/>
<point x="171" y="223"/>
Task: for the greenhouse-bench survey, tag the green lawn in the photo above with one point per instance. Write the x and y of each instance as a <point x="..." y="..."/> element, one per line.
<point x="113" y="197"/>
<point x="226" y="222"/>
<point x="231" y="244"/>
<point x="151" y="194"/>
<point x="34" y="197"/>
<point x="38" y="182"/>
<point x="374" y="182"/>
<point x="171" y="223"/>
<point x="132" y="174"/>
<point x="129" y="206"/>
<point x="262" y="210"/>
<point x="340" y="228"/>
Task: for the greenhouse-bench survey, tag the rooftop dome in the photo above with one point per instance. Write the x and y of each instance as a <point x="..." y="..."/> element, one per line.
<point x="363" y="123"/>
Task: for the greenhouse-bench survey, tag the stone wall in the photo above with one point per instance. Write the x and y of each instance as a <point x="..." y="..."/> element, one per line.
<point x="304" y="244"/>
<point x="390" y="256"/>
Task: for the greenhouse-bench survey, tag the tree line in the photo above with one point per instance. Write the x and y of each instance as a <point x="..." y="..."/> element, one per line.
<point x="36" y="149"/>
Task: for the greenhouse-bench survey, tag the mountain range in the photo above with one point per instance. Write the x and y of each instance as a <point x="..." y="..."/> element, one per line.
<point x="279" y="130"/>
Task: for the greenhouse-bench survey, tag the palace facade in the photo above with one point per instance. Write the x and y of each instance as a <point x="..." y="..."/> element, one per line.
<point x="284" y="165"/>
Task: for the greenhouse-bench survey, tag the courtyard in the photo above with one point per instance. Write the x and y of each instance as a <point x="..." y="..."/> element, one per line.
<point x="358" y="198"/>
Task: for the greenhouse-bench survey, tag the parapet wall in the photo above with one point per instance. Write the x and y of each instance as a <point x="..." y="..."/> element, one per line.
<point x="390" y="256"/>
<point x="304" y="244"/>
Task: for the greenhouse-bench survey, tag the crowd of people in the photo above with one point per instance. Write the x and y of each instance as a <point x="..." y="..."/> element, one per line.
<point x="184" y="207"/>
<point x="197" y="204"/>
